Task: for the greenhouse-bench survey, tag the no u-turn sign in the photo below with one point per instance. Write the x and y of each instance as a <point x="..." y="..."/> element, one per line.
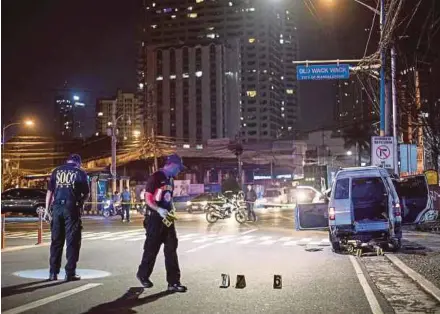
<point x="382" y="151"/>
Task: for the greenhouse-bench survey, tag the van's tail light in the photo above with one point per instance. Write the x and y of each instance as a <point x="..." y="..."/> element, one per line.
<point x="331" y="213"/>
<point x="397" y="210"/>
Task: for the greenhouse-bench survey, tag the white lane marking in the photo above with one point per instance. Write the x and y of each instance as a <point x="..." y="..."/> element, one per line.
<point x="247" y="241"/>
<point x="199" y="248"/>
<point x="137" y="238"/>
<point x="93" y="235"/>
<point x="38" y="303"/>
<point x="290" y="243"/>
<point x="314" y="243"/>
<point x="115" y="234"/>
<point x="371" y="298"/>
<point x="305" y="240"/>
<point x="325" y="241"/>
<point x="249" y="231"/>
<point x="268" y="242"/>
<point x="206" y="239"/>
<point x="226" y="239"/>
<point x="189" y="235"/>
<point x="285" y="239"/>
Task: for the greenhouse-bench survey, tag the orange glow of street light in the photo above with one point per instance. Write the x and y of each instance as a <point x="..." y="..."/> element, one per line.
<point x="29" y="123"/>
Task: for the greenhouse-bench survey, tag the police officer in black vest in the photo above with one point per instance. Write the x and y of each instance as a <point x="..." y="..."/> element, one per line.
<point x="159" y="199"/>
<point x="67" y="192"/>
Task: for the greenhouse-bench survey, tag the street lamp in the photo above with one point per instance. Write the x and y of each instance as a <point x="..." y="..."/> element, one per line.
<point x="27" y="122"/>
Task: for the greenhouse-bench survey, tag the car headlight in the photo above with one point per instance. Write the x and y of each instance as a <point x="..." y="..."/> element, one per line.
<point x="188" y="203"/>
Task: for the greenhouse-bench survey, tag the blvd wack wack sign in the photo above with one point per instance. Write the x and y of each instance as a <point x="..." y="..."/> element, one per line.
<point x="323" y="72"/>
<point x="382" y="151"/>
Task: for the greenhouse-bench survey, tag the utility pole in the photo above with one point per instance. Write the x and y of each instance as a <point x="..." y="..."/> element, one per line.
<point x="395" y="113"/>
<point x="382" y="69"/>
<point x="114" y="141"/>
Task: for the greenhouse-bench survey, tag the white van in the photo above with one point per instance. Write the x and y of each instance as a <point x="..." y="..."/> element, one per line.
<point x="363" y="207"/>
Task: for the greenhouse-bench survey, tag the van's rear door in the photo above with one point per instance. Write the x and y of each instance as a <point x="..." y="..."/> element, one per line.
<point x="414" y="197"/>
<point x="341" y="202"/>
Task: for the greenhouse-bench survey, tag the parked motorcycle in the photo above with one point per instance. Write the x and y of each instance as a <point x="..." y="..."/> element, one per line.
<point x="111" y="208"/>
<point x="225" y="210"/>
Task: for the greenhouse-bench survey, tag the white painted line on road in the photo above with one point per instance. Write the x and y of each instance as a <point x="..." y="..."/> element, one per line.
<point x="249" y="231"/>
<point x="207" y="238"/>
<point x="189" y="235"/>
<point x="314" y="243"/>
<point x="305" y="240"/>
<point x="137" y="238"/>
<point x="290" y="243"/>
<point x="93" y="235"/>
<point x="115" y="234"/>
<point x="325" y="241"/>
<point x="371" y="298"/>
<point x="199" y="248"/>
<point x="38" y="303"/>
<point x="226" y="239"/>
<point x="419" y="279"/>
<point x="285" y="239"/>
<point x="246" y="241"/>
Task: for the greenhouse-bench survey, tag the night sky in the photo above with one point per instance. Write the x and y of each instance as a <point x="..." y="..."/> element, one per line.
<point x="91" y="44"/>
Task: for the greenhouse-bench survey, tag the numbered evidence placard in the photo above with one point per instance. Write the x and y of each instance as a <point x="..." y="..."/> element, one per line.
<point x="311" y="216"/>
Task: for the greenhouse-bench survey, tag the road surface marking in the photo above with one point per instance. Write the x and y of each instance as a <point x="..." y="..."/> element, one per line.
<point x="268" y="241"/>
<point x="249" y="240"/>
<point x="137" y="238"/>
<point x="207" y="238"/>
<point x="285" y="239"/>
<point x="93" y="235"/>
<point x="226" y="239"/>
<point x="325" y="241"/>
<point x="290" y="243"/>
<point x="115" y="234"/>
<point x="199" y="248"/>
<point x="38" y="303"/>
<point x="371" y="298"/>
<point x="314" y="243"/>
<point x="249" y="231"/>
<point x="305" y="240"/>
<point x="189" y="235"/>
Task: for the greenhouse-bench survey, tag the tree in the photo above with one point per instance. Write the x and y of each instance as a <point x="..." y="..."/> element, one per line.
<point x="359" y="136"/>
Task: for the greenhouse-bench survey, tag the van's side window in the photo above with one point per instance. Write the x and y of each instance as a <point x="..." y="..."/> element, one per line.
<point x="341" y="189"/>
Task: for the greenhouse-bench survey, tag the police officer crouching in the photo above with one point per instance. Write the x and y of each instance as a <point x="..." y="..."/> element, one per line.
<point x="159" y="226"/>
<point x="67" y="192"/>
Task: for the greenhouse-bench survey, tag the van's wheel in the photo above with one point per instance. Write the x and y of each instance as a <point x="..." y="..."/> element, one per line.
<point x="395" y="245"/>
<point x="336" y="245"/>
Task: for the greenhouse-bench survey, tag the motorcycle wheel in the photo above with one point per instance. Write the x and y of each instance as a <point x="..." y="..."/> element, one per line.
<point x="240" y="217"/>
<point x="211" y="218"/>
<point x="106" y="213"/>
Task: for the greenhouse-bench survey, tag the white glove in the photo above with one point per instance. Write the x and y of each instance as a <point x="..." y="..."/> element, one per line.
<point x="162" y="212"/>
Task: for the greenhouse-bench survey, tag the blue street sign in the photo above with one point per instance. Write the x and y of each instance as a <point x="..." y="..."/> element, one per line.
<point x="322" y="72"/>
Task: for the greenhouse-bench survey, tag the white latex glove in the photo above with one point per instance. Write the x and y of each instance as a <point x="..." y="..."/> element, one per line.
<point x="47" y="216"/>
<point x="162" y="212"/>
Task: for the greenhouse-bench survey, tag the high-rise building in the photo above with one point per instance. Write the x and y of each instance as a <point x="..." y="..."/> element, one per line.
<point x="127" y="115"/>
<point x="353" y="106"/>
<point x="266" y="33"/>
<point x="70" y="116"/>
<point x="196" y="94"/>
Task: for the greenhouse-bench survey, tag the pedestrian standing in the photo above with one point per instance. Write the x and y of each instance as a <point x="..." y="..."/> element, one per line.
<point x="250" y="198"/>
<point x="67" y="192"/>
<point x="159" y="199"/>
<point x="126" y="200"/>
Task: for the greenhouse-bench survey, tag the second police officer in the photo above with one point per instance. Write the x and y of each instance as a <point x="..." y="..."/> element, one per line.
<point x="159" y="199"/>
<point x="67" y="192"/>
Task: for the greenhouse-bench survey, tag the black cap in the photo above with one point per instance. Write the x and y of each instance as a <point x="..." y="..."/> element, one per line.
<point x="75" y="158"/>
<point x="175" y="159"/>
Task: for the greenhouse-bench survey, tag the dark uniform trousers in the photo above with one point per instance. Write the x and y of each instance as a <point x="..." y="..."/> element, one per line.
<point x="65" y="226"/>
<point x="157" y="233"/>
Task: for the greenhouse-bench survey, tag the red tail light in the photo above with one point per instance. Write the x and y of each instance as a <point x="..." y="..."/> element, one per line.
<point x="397" y="211"/>
<point x="331" y="213"/>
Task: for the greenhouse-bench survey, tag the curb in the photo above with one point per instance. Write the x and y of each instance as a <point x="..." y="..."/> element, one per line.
<point x="424" y="283"/>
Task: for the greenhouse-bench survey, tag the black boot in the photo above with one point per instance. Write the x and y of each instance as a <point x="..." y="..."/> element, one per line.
<point x="177" y="287"/>
<point x="144" y="281"/>
<point x="72" y="277"/>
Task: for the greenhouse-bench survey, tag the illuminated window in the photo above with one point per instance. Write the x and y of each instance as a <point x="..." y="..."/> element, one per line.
<point x="153" y="26"/>
<point x="210" y="35"/>
<point x="153" y="4"/>
<point x="159" y="78"/>
<point x="282" y="108"/>
<point x="186" y="146"/>
<point x="199" y="1"/>
<point x="251" y="40"/>
<point x="230" y="4"/>
<point x="192" y="15"/>
<point x="289" y="91"/>
<point x="251" y="93"/>
<point x="167" y="10"/>
<point x="199" y="73"/>
<point x="185" y="75"/>
<point x="190" y="8"/>
<point x="252" y="9"/>
<point x="141" y="85"/>
<point x="173" y="76"/>
<point x="281" y="41"/>
<point x="173" y="16"/>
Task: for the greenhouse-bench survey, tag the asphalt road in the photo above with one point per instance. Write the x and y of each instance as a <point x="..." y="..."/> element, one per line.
<point x="314" y="279"/>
